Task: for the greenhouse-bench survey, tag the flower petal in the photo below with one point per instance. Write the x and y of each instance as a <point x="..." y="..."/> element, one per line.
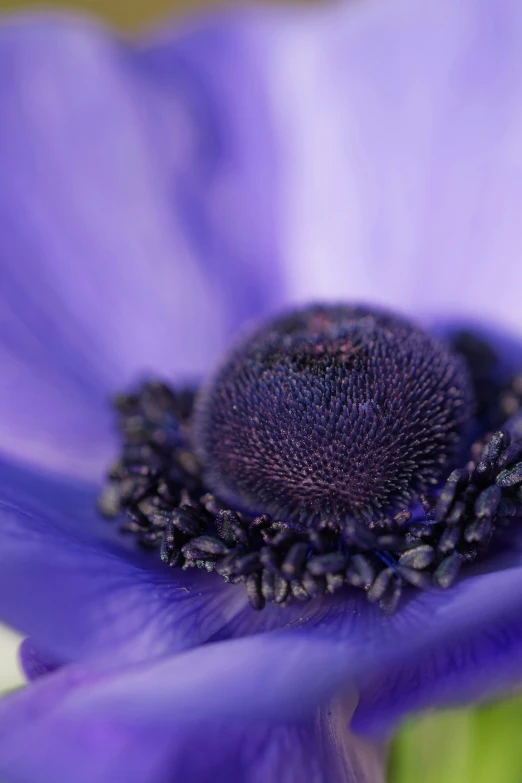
<point x="399" y="127"/>
<point x="126" y="250"/>
<point x="440" y="648"/>
<point x="147" y="725"/>
<point x="84" y="600"/>
<point x="35" y="663"/>
<point x="85" y="597"/>
<point x="232" y="159"/>
<point x="471" y="650"/>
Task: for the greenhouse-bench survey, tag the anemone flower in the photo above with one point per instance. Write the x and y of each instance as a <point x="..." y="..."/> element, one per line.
<point x="156" y="196"/>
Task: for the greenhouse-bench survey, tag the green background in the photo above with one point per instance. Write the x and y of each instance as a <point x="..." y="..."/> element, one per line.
<point x="126" y="14"/>
<point x="478" y="745"/>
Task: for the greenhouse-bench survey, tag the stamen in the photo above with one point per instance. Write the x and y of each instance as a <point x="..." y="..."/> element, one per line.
<point x="163" y="494"/>
<point x="160" y="485"/>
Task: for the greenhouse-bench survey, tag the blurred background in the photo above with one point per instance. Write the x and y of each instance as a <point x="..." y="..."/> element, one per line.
<point x="128" y="15"/>
<point x="478" y="745"/>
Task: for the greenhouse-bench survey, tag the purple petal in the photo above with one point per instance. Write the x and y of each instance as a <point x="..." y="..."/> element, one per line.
<point x="126" y="250"/>
<point x="466" y="649"/>
<point x="84" y="597"/>
<point x="400" y="129"/>
<point x="35" y="663"/>
<point x="212" y="65"/>
<point x="147" y="725"/>
<point x="81" y="598"/>
<point x="441" y="648"/>
<point x="68" y="580"/>
<point x="481" y="665"/>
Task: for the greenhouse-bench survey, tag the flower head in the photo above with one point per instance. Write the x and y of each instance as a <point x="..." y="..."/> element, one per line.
<point x="243" y="164"/>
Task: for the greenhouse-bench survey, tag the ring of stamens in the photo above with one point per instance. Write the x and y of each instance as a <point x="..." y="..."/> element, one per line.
<point x="158" y="485"/>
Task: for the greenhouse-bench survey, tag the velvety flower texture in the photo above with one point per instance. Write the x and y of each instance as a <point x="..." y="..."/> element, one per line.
<point x="155" y="195"/>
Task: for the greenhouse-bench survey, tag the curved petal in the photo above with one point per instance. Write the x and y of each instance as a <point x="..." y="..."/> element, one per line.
<point x="440" y="648"/>
<point x="68" y="579"/>
<point x="458" y="648"/>
<point x="232" y="136"/>
<point x="86" y="597"/>
<point x="125" y="248"/>
<point x="389" y="212"/>
<point x="484" y="663"/>
<point x="83" y="598"/>
<point x="147" y="725"/>
<point x="399" y="127"/>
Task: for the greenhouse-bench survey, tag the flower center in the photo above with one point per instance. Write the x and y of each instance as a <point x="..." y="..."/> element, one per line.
<point x="297" y="468"/>
<point x="332" y="412"/>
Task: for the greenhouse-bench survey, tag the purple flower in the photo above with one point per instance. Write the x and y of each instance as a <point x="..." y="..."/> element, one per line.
<point x="155" y="196"/>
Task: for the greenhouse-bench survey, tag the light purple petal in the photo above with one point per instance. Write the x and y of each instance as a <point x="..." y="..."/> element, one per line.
<point x="399" y="127"/>
<point x="400" y="215"/>
<point x="148" y="725"/>
<point x="126" y="250"/>
<point x="211" y="65"/>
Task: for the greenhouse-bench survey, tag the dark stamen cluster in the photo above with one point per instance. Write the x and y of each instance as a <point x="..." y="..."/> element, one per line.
<point x="498" y="396"/>
<point x="510" y="398"/>
<point x="159" y="485"/>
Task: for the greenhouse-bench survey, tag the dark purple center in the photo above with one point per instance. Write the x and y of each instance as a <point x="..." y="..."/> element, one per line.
<point x="332" y="412"/>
